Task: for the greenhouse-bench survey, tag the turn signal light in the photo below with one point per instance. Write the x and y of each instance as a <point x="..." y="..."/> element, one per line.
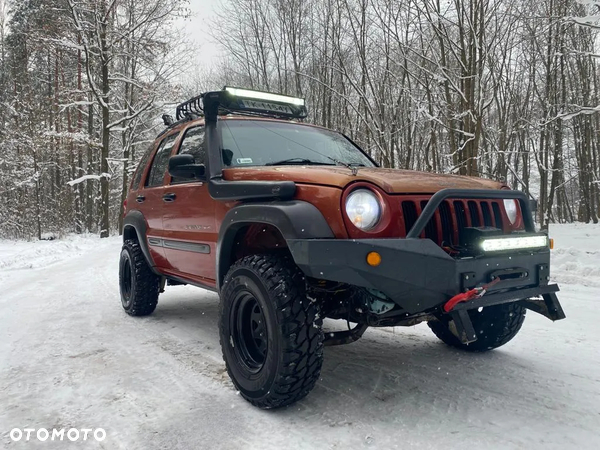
<point x="374" y="259"/>
<point x="551" y="244"/>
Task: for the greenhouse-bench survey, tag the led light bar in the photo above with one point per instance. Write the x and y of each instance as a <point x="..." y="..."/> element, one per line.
<point x="266" y="96"/>
<point x="514" y="243"/>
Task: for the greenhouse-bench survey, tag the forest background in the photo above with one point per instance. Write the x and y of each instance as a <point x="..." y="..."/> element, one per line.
<point x="507" y="90"/>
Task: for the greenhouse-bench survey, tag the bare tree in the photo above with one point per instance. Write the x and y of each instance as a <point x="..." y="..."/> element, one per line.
<point x="120" y="40"/>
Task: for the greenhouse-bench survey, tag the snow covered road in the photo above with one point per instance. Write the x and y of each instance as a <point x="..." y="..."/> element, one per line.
<point x="70" y="357"/>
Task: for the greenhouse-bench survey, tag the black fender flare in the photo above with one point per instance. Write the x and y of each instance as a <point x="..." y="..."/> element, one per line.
<point x="134" y="220"/>
<point x="295" y="219"/>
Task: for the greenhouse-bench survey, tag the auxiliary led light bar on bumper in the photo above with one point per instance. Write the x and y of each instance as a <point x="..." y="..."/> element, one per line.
<point x="514" y="243"/>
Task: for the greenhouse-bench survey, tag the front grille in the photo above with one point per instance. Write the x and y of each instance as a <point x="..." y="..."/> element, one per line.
<point x="452" y="217"/>
<point x="448" y="221"/>
<point x="474" y="211"/>
<point x="431" y="228"/>
<point x="409" y="211"/>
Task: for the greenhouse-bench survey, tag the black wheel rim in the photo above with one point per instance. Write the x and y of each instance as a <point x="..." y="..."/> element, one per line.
<point x="249" y="331"/>
<point x="126" y="282"/>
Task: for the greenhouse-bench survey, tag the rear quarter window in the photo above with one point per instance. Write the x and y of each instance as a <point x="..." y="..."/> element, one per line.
<point x="137" y="176"/>
<point x="160" y="162"/>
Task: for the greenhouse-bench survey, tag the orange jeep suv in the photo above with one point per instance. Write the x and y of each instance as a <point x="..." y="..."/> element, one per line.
<point x="292" y="223"/>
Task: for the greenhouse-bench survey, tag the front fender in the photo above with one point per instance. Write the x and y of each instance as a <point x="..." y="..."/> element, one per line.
<point x="294" y="219"/>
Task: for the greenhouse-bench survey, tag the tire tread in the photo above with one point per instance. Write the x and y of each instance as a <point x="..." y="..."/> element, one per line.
<point x="299" y="326"/>
<point x="147" y="283"/>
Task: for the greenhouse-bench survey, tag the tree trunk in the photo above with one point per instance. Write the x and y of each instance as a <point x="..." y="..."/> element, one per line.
<point x="104" y="180"/>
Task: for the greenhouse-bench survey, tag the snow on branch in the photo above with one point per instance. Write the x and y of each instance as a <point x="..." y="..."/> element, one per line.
<point x="89" y="177"/>
<point x="582" y="110"/>
<point x="588" y="21"/>
<point x="131" y="116"/>
<point x="591" y="20"/>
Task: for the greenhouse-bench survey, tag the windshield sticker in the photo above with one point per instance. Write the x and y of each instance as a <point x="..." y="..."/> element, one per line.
<point x="244" y="160"/>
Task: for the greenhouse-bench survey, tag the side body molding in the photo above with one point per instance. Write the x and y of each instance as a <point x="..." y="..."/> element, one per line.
<point x="134" y="221"/>
<point x="294" y="219"/>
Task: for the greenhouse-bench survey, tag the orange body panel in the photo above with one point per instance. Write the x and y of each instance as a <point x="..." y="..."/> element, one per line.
<point x="392" y="181"/>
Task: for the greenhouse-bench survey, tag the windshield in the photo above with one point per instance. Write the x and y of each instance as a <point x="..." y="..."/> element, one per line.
<point x="261" y="142"/>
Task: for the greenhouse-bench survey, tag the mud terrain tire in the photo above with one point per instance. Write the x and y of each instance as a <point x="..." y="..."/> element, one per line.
<point x="494" y="325"/>
<point x="139" y="286"/>
<point x="270" y="333"/>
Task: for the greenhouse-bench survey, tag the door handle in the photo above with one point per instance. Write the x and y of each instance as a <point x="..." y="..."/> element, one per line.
<point x="169" y="197"/>
<point x="140" y="199"/>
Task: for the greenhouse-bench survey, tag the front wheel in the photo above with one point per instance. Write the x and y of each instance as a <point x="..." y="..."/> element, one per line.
<point x="494" y="325"/>
<point x="270" y="332"/>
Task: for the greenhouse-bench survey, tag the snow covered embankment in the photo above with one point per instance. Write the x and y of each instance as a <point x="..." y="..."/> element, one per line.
<point x="576" y="254"/>
<point x="15" y="255"/>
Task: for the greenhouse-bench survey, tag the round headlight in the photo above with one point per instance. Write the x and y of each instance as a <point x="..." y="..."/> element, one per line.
<point x="363" y="209"/>
<point x="511" y="209"/>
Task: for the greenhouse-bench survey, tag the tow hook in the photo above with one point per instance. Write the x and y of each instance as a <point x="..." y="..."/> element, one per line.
<point x="471" y="294"/>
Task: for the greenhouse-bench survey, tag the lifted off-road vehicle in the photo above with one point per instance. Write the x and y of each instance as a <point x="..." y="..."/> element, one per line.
<point x="292" y="223"/>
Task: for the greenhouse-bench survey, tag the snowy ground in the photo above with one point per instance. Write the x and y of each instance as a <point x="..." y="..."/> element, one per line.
<point x="70" y="357"/>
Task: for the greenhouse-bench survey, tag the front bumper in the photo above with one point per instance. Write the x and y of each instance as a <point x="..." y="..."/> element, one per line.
<point x="419" y="276"/>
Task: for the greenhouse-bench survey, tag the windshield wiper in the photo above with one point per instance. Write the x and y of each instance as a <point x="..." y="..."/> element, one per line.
<point x="299" y="161"/>
<point x="352" y="166"/>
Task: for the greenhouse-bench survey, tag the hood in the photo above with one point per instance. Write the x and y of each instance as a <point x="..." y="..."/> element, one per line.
<point x="392" y="181"/>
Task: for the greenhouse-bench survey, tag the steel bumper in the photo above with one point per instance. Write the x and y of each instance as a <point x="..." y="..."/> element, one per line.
<point x="419" y="276"/>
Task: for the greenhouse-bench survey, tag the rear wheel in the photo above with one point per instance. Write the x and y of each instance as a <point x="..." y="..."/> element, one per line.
<point x="270" y="332"/>
<point x="139" y="286"/>
<point x="495" y="326"/>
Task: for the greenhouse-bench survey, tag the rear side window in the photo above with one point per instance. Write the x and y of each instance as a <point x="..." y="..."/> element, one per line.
<point x="159" y="165"/>
<point x="137" y="176"/>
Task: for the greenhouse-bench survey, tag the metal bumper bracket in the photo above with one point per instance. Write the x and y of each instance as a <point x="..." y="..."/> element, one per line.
<point x="548" y="307"/>
<point x="513" y="296"/>
<point x="464" y="326"/>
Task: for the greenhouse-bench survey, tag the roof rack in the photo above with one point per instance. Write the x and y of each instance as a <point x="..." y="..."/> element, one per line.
<point x="245" y="102"/>
<point x="192" y="108"/>
<point x="186" y="111"/>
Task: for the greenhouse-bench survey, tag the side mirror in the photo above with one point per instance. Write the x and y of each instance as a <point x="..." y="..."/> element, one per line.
<point x="184" y="166"/>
